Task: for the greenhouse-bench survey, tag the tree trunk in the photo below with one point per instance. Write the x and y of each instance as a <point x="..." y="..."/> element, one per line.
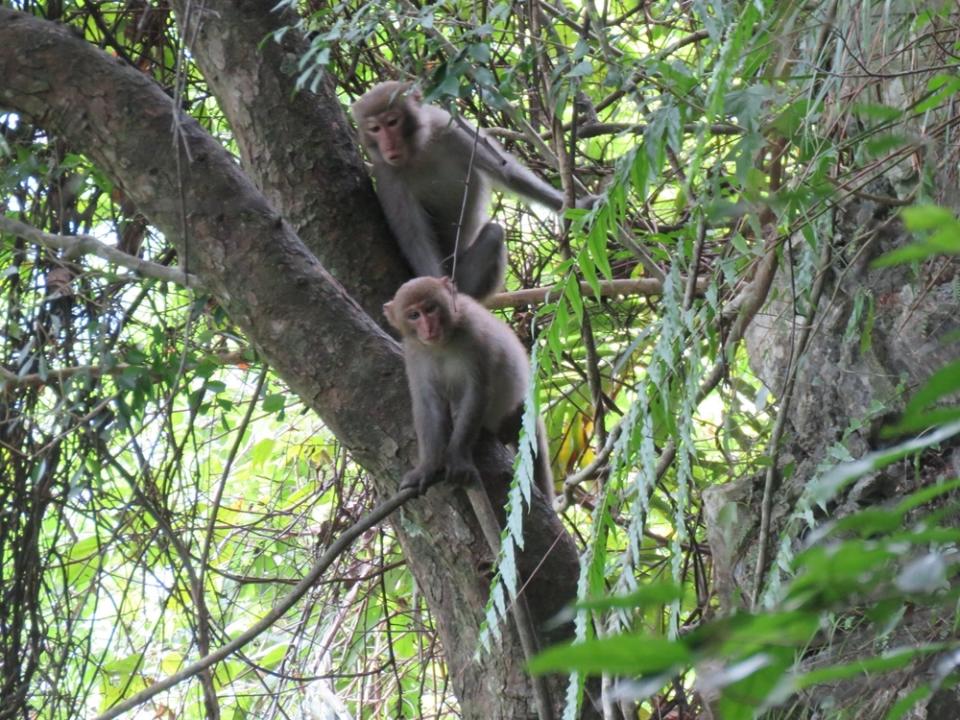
<point x="878" y="335"/>
<point x="845" y="391"/>
<point x="246" y="251"/>
<point x="296" y="145"/>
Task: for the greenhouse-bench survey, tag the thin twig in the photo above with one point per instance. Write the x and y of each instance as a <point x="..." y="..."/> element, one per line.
<point x="9" y="378"/>
<point x="340" y="545"/>
<point x="225" y="475"/>
<point x="598" y="129"/>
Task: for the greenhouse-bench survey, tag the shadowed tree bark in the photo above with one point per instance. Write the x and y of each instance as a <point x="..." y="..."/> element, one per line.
<point x="247" y="247"/>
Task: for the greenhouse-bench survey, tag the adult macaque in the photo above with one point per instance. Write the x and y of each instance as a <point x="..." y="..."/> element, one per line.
<point x="433" y="178"/>
<point x="467" y="372"/>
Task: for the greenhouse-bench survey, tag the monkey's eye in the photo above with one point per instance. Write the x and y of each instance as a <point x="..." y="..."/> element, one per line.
<point x="374" y="129"/>
<point x="413" y="315"/>
<point x="392" y="122"/>
<point x="429" y="308"/>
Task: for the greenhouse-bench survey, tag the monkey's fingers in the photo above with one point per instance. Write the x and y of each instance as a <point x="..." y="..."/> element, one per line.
<point x="431" y="478"/>
<point x="588" y="202"/>
<point x="415" y="479"/>
<point x="421" y="478"/>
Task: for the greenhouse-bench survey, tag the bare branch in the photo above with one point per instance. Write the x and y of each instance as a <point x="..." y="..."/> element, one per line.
<point x="53" y="377"/>
<point x="608" y="288"/>
<point x="597" y="129"/>
<point x="74" y="245"/>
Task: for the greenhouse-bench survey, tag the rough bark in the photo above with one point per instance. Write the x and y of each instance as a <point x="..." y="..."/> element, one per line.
<point x="879" y="333"/>
<point x="842" y="384"/>
<point x="296" y="145"/>
<point x="845" y="390"/>
<point x="300" y="318"/>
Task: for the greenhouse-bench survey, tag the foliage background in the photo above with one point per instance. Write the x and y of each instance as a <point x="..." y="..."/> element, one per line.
<point x="161" y="487"/>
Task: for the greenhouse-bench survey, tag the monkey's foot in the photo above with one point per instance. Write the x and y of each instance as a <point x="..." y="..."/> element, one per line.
<point x="462" y="470"/>
<point x="419" y="479"/>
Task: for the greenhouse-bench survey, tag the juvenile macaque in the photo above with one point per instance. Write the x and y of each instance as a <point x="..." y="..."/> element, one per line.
<point x="433" y="177"/>
<point x="467" y="372"/>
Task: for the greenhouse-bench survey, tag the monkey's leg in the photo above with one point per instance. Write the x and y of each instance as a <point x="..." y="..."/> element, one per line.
<point x="481" y="267"/>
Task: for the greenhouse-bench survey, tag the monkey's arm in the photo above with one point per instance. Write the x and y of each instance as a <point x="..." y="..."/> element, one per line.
<point x="501" y="167"/>
<point x="410" y="225"/>
<point x="430" y="420"/>
<point x="468" y="415"/>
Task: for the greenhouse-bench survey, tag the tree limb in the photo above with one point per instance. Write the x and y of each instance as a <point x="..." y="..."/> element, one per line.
<point x="301" y="320"/>
<point x="608" y="289"/>
<point x="74" y="245"/>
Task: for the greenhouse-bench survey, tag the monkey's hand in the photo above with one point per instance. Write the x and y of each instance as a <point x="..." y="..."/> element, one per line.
<point x="421" y="477"/>
<point x="461" y="469"/>
<point x="588" y="202"/>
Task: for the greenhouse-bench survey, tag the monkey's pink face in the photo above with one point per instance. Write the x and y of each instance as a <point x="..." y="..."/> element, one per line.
<point x="386" y="129"/>
<point x="427" y="322"/>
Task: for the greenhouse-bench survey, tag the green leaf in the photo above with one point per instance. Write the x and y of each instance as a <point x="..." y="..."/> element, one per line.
<point x="870" y="521"/>
<point x="744" y="634"/>
<point x="846" y="472"/>
<point x="877" y="111"/>
<point x="945" y="241"/>
<point x="909" y="701"/>
<point x="926" y="217"/>
<point x="653" y="594"/>
<point x="262" y="451"/>
<point x="942" y="87"/>
<point x="597" y="243"/>
<point x="923" y="421"/>
<point x="589" y="271"/>
<point x="619" y="655"/>
<point x="274" y="403"/>
<point x="942" y="383"/>
<point x="83" y="560"/>
<point x="274" y="656"/>
<point x="891" y="660"/>
<point x="571" y="291"/>
<point x="927" y="494"/>
<point x="124" y="666"/>
<point x="581" y="69"/>
<point x="479" y="52"/>
<point x="740" y="699"/>
<point x="883" y="144"/>
<point x="216" y="386"/>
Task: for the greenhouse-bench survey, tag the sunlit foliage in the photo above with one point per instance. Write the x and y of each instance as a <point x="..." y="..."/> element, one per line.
<point x="160" y="488"/>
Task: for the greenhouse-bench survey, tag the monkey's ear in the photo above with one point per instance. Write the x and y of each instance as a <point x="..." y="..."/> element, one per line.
<point x="388" y="311"/>
<point x="450" y="286"/>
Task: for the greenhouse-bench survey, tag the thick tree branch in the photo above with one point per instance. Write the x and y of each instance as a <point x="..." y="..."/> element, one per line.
<point x="296" y="144"/>
<point x="328" y="350"/>
<point x="244" y="252"/>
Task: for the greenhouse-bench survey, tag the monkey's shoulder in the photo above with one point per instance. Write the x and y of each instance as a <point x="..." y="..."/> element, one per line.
<point x="454" y="135"/>
<point x="500" y="346"/>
